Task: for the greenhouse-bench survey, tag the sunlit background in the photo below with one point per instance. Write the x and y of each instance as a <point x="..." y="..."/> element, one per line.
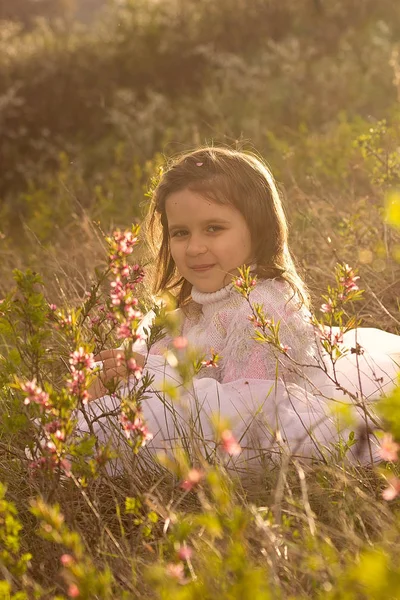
<point x="94" y="95"/>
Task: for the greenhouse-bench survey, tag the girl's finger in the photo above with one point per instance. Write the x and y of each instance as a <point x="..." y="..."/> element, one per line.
<point x="112" y="363"/>
<point x="113" y="373"/>
<point x="106" y="354"/>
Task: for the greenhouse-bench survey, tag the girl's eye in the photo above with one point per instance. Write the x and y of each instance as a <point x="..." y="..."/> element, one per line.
<point x="183" y="232"/>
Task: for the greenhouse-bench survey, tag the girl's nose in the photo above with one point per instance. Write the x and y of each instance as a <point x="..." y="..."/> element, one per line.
<point x="195" y="246"/>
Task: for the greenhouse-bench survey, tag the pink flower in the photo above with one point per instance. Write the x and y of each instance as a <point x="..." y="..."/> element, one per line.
<point x="134" y="368"/>
<point x="66" y="560"/>
<point x="73" y="591"/>
<point x="81" y="359"/>
<point x="137" y="425"/>
<point x="193" y="478"/>
<point x="257" y="323"/>
<point x="51" y="446"/>
<point x="124" y="331"/>
<point x="285" y="348"/>
<point x="176" y="571"/>
<point x="199" y="164"/>
<point x="327" y="308"/>
<point x="389" y="448"/>
<point x="35" y="394"/>
<point x="180" y="343"/>
<point x="53" y="426"/>
<point x="65" y="322"/>
<point x="185" y="553"/>
<point x="229" y="443"/>
<point x="124" y="242"/>
<point x="212" y="362"/>
<point x="348" y="279"/>
<point x="391" y="492"/>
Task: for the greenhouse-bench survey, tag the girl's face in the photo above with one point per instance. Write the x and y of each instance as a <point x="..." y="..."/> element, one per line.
<point x="208" y="241"/>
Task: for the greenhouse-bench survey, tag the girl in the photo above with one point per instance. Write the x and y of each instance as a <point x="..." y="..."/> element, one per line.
<point x="213" y="211"/>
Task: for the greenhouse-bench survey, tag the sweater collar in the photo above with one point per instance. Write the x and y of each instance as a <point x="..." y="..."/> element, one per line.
<point x="205" y="298"/>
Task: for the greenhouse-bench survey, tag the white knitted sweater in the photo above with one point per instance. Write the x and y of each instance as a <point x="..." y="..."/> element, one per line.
<point x="218" y="322"/>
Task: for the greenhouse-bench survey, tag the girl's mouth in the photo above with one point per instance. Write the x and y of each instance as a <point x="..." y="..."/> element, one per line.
<point x="202" y="268"/>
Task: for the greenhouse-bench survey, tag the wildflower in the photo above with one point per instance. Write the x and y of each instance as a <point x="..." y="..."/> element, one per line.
<point x="53" y="426"/>
<point x="81" y="359"/>
<point x="391" y="492"/>
<point x="73" y="591"/>
<point x="136" y="425"/>
<point x="239" y="282"/>
<point x="180" y="343"/>
<point x="131" y="313"/>
<point x="66" y="560"/>
<point x="389" y="448"/>
<point x="51" y="446"/>
<point x="118" y="358"/>
<point x="212" y="362"/>
<point x="77" y="385"/>
<point x="35" y="394"/>
<point x="124" y="331"/>
<point x="176" y="571"/>
<point x="229" y="443"/>
<point x="348" y="279"/>
<point x="328" y="307"/>
<point x="193" y="478"/>
<point x="285" y="348"/>
<point x="199" y="164"/>
<point x="124" y="242"/>
<point x="53" y="307"/>
<point x="259" y="322"/>
<point x="185" y="553"/>
<point x="64" y="322"/>
<point x="134" y="368"/>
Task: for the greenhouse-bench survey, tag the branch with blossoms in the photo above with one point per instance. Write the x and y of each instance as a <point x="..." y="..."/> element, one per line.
<point x="334" y="313"/>
<point x="51" y="411"/>
<point x="56" y="414"/>
<point x="125" y="308"/>
<point x="268" y="331"/>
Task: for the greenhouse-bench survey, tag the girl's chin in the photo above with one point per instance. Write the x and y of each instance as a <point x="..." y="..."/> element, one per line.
<point x="209" y="287"/>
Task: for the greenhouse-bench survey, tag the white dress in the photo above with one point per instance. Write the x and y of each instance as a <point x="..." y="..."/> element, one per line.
<point x="273" y="403"/>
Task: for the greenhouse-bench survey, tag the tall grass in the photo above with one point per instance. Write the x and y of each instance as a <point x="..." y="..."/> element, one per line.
<point x="88" y="117"/>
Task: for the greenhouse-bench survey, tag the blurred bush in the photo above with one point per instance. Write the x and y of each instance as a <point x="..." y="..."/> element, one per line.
<point x="274" y="67"/>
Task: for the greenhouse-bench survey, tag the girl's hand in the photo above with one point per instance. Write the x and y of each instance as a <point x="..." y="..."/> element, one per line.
<point x="113" y="368"/>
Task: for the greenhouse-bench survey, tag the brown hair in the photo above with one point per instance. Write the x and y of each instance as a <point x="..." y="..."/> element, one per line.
<point x="231" y="177"/>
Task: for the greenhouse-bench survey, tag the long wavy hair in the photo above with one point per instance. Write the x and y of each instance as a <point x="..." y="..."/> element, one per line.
<point x="226" y="176"/>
